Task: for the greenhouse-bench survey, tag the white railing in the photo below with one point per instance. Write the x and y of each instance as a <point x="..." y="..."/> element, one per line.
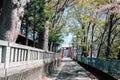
<point x="19" y="53"/>
<point x="13" y="55"/>
<point x="3" y="44"/>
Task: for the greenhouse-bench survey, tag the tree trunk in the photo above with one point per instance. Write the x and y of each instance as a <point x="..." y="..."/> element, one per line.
<point x="109" y="37"/>
<point x="34" y="40"/>
<point x="119" y="55"/>
<point x="46" y="39"/>
<point x="11" y="13"/>
<point x="26" y="32"/>
<point x="40" y="39"/>
<point x="53" y="48"/>
<point x="43" y="39"/>
<point x="92" y="36"/>
<point x="101" y="40"/>
<point x="99" y="49"/>
<point x="51" y="45"/>
<point x="84" y="48"/>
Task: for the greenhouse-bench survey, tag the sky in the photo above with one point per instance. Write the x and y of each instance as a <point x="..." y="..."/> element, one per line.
<point x="67" y="40"/>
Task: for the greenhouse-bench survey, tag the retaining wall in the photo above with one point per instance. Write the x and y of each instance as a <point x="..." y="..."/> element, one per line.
<point x="19" y="62"/>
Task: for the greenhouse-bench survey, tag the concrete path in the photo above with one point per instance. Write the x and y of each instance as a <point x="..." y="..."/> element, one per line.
<point x="70" y="71"/>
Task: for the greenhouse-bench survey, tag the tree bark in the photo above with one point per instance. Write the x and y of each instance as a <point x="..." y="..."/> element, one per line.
<point x="119" y="55"/>
<point x="40" y="39"/>
<point x="51" y="45"/>
<point x="92" y="35"/>
<point x="99" y="49"/>
<point x="101" y="41"/>
<point x="11" y="13"/>
<point x="109" y="37"/>
<point x="43" y="39"/>
<point x="84" y="48"/>
<point x="45" y="47"/>
<point x="102" y="38"/>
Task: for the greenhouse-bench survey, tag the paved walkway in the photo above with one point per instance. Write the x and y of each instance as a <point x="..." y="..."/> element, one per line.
<point x="70" y="71"/>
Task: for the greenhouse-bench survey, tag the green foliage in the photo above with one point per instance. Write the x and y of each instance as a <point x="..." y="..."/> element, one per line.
<point x="81" y="20"/>
<point x="38" y="12"/>
<point x="55" y="37"/>
<point x="85" y="17"/>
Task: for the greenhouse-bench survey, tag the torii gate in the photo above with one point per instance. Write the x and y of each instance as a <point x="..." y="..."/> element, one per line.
<point x="63" y="48"/>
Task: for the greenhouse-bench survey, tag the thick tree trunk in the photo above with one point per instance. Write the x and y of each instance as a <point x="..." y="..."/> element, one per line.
<point x="11" y="13"/>
<point x="43" y="39"/>
<point x="46" y="39"/>
<point x="40" y="39"/>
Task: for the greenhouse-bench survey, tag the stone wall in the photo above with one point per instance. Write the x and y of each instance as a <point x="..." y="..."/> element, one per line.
<point x="36" y="73"/>
<point x="19" y="62"/>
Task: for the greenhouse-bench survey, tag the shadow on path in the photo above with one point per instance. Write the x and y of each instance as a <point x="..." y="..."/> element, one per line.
<point x="72" y="71"/>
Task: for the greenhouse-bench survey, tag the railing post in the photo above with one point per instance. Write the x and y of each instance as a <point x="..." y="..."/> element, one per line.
<point x="38" y="55"/>
<point x="6" y="53"/>
<point x="22" y="55"/>
<point x="43" y="55"/>
<point x="0" y="54"/>
<point x="12" y="53"/>
<point x="19" y="55"/>
<point x="25" y="54"/>
<point x="28" y="57"/>
<point x="16" y="54"/>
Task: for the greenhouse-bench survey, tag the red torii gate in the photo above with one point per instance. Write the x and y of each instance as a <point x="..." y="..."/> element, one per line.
<point x="63" y="48"/>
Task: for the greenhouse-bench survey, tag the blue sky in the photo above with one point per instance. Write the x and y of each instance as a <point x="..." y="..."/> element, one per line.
<point x="67" y="38"/>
